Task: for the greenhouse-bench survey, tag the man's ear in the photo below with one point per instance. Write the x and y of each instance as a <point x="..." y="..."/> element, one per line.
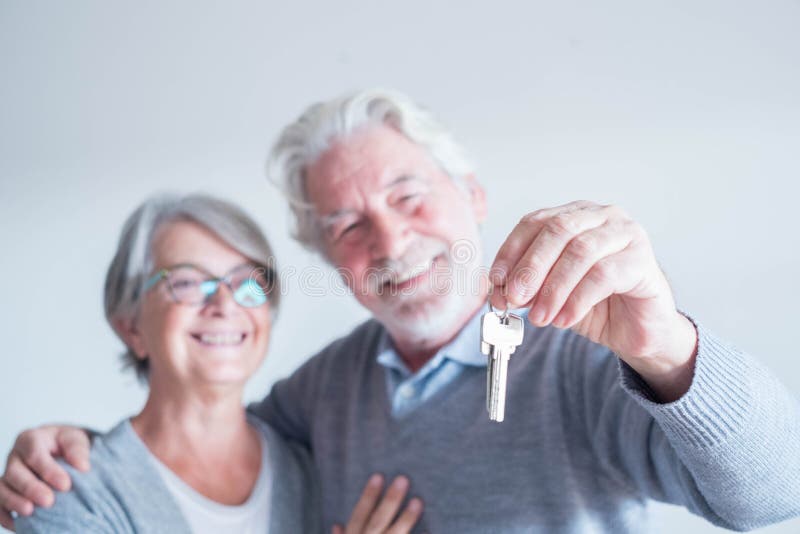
<point x="477" y="197"/>
<point x="127" y="329"/>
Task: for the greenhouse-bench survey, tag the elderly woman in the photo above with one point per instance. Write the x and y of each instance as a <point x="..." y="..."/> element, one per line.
<point x="192" y="291"/>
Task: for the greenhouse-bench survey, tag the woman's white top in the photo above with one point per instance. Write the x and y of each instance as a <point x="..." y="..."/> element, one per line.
<point x="210" y="517"/>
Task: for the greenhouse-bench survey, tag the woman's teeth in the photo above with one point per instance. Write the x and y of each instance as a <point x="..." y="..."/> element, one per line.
<point x="221" y="339"/>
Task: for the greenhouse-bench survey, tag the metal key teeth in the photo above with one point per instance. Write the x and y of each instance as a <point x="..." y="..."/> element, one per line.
<point x="489" y="373"/>
<point x="493" y="387"/>
<point x="498" y="393"/>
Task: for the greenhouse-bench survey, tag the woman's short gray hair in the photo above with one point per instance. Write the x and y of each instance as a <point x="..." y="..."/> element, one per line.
<point x="133" y="260"/>
<point x="304" y="140"/>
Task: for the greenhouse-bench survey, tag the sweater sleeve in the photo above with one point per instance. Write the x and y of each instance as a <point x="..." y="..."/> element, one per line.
<point x="73" y="511"/>
<point x="728" y="449"/>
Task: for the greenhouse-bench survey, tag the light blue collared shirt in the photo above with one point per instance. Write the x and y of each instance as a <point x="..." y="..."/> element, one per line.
<point x="408" y="390"/>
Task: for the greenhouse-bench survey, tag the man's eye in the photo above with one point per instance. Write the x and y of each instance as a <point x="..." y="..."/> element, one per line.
<point x="409" y="203"/>
<point x="349" y="229"/>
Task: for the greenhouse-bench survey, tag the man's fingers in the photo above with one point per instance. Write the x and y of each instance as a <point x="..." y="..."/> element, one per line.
<point x="519" y="281"/>
<point x="6" y="520"/>
<point x="390" y="504"/>
<point x="580" y="254"/>
<point x="74" y="445"/>
<point x="365" y="504"/>
<point x="529" y="272"/>
<point x="36" y="449"/>
<point x="337" y="529"/>
<point x="11" y="501"/>
<point x="597" y="286"/>
<point x="372" y="516"/>
<point x="44" y="465"/>
<point x="408" y="518"/>
<point x="21" y="480"/>
<point x="592" y="290"/>
<point x="513" y="247"/>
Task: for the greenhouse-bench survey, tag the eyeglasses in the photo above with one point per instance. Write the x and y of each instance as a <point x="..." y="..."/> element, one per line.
<point x="189" y="284"/>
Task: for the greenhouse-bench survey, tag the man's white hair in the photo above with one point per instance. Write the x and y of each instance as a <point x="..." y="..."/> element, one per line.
<point x="303" y="141"/>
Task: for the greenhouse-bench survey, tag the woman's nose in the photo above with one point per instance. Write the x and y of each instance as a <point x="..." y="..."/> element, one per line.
<point x="221" y="300"/>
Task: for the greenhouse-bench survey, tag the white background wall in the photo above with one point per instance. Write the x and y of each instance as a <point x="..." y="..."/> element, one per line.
<point x="685" y="113"/>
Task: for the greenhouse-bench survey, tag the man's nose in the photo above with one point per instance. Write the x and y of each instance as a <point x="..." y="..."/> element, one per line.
<point x="390" y="236"/>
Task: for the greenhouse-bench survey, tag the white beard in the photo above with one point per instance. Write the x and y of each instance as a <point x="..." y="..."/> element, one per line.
<point x="428" y="320"/>
<point x="442" y="303"/>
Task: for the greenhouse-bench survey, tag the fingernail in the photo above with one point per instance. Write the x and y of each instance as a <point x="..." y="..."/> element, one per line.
<point x="494" y="289"/>
<point x="498" y="274"/>
<point x="400" y="482"/>
<point x="516" y="293"/>
<point x="415" y="505"/>
<point x="537" y="315"/>
<point x="46" y="501"/>
<point x="375" y="480"/>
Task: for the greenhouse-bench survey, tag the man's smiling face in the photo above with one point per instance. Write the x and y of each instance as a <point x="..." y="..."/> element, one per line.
<point x="390" y="218"/>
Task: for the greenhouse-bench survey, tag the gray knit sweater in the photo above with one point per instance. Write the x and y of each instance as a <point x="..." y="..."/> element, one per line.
<point x="582" y="449"/>
<point x="124" y="493"/>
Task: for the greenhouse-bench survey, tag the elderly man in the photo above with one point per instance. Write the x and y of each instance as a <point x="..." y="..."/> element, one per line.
<point x="614" y="396"/>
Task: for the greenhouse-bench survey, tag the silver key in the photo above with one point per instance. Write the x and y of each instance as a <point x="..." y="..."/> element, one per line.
<point x="503" y="350"/>
<point x="500" y="336"/>
<point x="489" y="326"/>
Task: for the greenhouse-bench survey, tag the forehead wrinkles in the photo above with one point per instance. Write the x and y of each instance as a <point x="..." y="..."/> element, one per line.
<point x="348" y="183"/>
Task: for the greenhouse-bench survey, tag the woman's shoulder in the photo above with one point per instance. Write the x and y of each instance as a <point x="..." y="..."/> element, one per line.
<point x="86" y="505"/>
<point x="107" y="445"/>
<point x="121" y="492"/>
<point x="113" y="457"/>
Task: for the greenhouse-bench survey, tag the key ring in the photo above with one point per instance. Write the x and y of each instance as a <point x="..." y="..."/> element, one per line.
<point x="502" y="316"/>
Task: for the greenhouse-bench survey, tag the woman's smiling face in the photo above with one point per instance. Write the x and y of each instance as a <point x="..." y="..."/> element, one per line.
<point x="216" y="343"/>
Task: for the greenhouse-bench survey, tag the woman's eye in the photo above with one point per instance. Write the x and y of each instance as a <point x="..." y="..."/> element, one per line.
<point x="183" y="284"/>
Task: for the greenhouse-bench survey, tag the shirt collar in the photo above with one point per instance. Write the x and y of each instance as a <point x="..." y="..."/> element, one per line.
<point x="465" y="348"/>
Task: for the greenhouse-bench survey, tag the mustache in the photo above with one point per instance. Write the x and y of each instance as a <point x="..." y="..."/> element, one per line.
<point x="418" y="259"/>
